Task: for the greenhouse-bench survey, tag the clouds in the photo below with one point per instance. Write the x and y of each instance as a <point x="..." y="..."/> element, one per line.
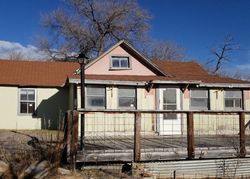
<point x="13" y="49"/>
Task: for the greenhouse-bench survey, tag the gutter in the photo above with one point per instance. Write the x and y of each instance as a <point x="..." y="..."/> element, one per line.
<point x="225" y="85"/>
<point x="138" y="83"/>
<point x="142" y="83"/>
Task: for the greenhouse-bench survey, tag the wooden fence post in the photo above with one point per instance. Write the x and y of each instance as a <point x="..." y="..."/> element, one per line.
<point x="242" y="134"/>
<point x="137" y="137"/>
<point x="66" y="138"/>
<point x="74" y="138"/>
<point x="190" y="136"/>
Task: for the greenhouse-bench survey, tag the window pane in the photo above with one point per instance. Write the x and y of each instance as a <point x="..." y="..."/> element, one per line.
<point x="127" y="102"/>
<point x="169" y="96"/>
<point x="95" y="96"/>
<point x="199" y="93"/>
<point x="229" y="103"/>
<point x="170" y="116"/>
<point x="171" y="107"/>
<point x="31" y="95"/>
<point x="31" y="107"/>
<point x="238" y="103"/>
<point x="23" y="107"/>
<point x="233" y="94"/>
<point x="95" y="101"/>
<point x="124" y="63"/>
<point x="115" y="63"/>
<point x="126" y="92"/>
<point x="199" y="103"/>
<point x="96" y="90"/>
<point x="23" y="95"/>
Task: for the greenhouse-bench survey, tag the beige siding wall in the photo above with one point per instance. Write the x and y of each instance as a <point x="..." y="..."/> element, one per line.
<point x="216" y="99"/>
<point x="120" y="123"/>
<point x="216" y="124"/>
<point x="51" y="104"/>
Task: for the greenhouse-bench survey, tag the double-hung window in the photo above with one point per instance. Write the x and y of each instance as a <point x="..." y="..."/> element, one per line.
<point x="233" y="99"/>
<point x="127" y="97"/>
<point x="120" y="62"/>
<point x="199" y="99"/>
<point x="27" y="101"/>
<point x="95" y="96"/>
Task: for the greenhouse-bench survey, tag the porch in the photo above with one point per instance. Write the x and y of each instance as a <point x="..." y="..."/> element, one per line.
<point x="203" y="135"/>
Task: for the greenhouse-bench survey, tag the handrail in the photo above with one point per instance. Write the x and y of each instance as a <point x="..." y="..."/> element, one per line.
<point x="80" y="110"/>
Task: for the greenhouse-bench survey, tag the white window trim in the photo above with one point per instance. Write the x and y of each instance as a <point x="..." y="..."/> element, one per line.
<point x="199" y="108"/>
<point x="120" y="68"/>
<point x="19" y="102"/>
<point x="233" y="108"/>
<point x="127" y="107"/>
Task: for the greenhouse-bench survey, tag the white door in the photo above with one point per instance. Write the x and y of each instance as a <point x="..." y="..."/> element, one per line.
<point x="169" y="100"/>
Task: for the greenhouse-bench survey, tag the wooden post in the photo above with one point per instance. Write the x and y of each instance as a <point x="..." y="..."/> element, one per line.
<point x="66" y="138"/>
<point x="137" y="137"/>
<point x="242" y="134"/>
<point x="190" y="136"/>
<point x="74" y="139"/>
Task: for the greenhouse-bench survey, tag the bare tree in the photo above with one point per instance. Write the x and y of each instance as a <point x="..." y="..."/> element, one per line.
<point x="92" y="26"/>
<point x="164" y="50"/>
<point x="222" y="53"/>
<point x="16" y="55"/>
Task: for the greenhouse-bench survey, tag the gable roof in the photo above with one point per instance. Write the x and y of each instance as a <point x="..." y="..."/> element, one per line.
<point x="124" y="44"/>
<point x="55" y="74"/>
<point x="35" y="73"/>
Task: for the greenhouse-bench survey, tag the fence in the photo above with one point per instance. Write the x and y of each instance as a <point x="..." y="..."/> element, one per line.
<point x="144" y="135"/>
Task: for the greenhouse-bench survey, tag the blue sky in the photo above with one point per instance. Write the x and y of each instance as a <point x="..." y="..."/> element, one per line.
<point x="196" y="25"/>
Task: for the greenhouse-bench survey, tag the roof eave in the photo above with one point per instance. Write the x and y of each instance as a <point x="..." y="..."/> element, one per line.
<point x="225" y="85"/>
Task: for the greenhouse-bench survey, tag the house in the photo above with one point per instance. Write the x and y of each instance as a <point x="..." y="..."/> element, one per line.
<point x="34" y="94"/>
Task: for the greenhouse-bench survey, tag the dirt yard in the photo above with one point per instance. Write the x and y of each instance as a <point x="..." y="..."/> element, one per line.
<point x="36" y="154"/>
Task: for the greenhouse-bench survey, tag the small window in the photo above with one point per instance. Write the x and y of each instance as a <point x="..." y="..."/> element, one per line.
<point x="199" y="99"/>
<point x="233" y="99"/>
<point x="27" y="101"/>
<point x="95" y="97"/>
<point x="127" y="97"/>
<point x="120" y="62"/>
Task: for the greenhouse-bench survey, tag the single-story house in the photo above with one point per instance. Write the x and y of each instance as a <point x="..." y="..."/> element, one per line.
<point x="35" y="94"/>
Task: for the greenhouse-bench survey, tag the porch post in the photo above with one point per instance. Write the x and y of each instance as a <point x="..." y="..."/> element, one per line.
<point x="190" y="136"/>
<point x="242" y="134"/>
<point x="137" y="137"/>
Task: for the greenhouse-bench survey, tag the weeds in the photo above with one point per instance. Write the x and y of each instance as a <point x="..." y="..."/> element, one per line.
<point x="28" y="152"/>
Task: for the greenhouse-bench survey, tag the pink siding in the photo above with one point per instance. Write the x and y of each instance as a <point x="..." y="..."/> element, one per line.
<point x="102" y="67"/>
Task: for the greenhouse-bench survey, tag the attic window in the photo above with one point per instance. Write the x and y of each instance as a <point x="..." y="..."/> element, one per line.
<point x="120" y="62"/>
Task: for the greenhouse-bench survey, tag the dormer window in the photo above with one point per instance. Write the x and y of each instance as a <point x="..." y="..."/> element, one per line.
<point x="120" y="62"/>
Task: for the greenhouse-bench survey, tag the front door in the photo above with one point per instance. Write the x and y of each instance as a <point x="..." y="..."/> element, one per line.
<point x="169" y="100"/>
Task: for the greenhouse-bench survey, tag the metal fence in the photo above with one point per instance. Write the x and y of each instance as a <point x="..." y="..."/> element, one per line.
<point x="136" y="135"/>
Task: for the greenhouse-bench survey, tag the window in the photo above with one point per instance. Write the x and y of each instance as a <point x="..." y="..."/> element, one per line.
<point x="127" y="97"/>
<point x="27" y="101"/>
<point x="169" y="102"/>
<point x="120" y="62"/>
<point x="233" y="99"/>
<point x="95" y="97"/>
<point x="199" y="99"/>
